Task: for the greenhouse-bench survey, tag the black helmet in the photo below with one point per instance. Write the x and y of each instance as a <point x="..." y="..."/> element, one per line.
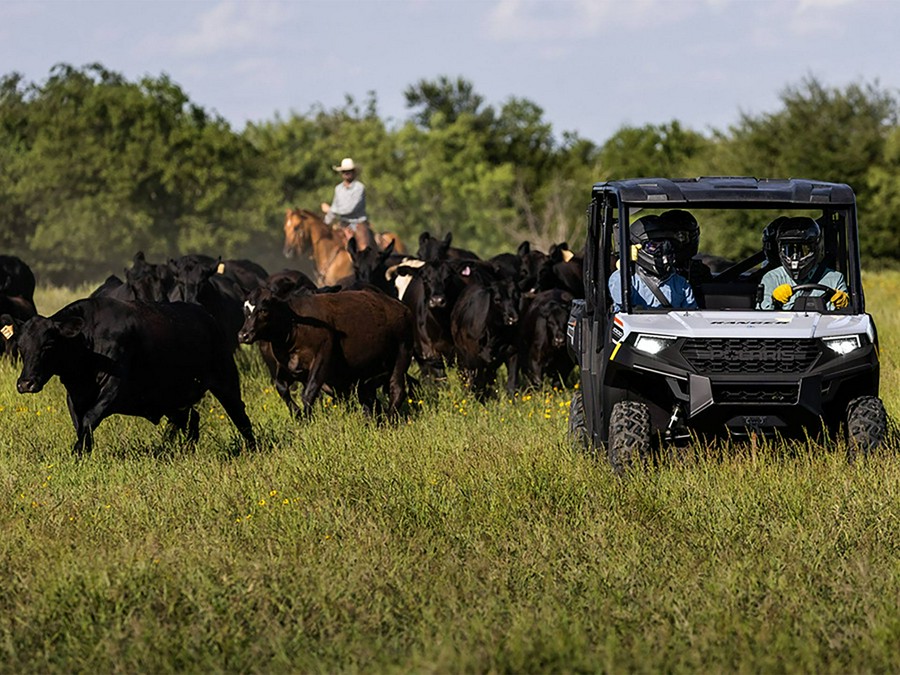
<point x="770" y="241"/>
<point x="685" y="232"/>
<point x="800" y="246"/>
<point x="648" y="227"/>
<point x="656" y="257"/>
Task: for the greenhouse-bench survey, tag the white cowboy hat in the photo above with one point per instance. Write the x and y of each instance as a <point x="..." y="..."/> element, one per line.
<point x="346" y="165"/>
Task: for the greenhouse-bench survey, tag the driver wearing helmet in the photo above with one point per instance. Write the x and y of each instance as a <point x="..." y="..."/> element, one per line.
<point x="685" y="232"/>
<point x="801" y="250"/>
<point x="654" y="283"/>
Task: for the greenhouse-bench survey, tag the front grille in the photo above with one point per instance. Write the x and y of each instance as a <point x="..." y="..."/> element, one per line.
<point x="755" y="393"/>
<point x="744" y="356"/>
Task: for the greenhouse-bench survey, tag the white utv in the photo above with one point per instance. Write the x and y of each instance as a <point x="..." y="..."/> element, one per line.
<point x="652" y="375"/>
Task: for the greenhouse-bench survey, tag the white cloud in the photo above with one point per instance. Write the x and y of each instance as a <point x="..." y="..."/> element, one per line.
<point x="230" y="26"/>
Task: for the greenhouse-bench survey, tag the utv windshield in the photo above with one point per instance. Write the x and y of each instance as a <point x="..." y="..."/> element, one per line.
<point x="760" y="259"/>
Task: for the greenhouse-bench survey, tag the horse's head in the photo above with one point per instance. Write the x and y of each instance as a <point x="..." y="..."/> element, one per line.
<point x="296" y="232"/>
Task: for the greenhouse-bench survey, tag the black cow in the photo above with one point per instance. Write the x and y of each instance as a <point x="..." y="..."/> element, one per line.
<point x="432" y="249"/>
<point x="197" y="281"/>
<point x="150" y="360"/>
<point x="567" y="269"/>
<point x="370" y="267"/>
<point x="484" y="327"/>
<point x="285" y="282"/>
<point x="431" y="295"/>
<point x="16" y="278"/>
<point x="247" y="274"/>
<point x="149" y="282"/>
<point x="542" y="339"/>
<point x="15" y="312"/>
<point x="348" y="341"/>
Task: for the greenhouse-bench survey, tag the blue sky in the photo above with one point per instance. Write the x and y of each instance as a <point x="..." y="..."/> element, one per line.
<point x="593" y="66"/>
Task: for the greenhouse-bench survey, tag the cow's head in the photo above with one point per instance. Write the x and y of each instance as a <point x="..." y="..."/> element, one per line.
<point x="191" y="274"/>
<point x="42" y="347"/>
<point x="263" y="312"/>
<point x="505" y="300"/>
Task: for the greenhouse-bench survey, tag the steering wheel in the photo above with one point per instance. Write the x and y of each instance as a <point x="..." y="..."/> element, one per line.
<point x="829" y="292"/>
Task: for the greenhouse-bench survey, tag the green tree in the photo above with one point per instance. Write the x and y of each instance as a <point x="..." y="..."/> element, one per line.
<point x="105" y="167"/>
<point x="665" y="150"/>
<point x="880" y="224"/>
<point x="821" y="133"/>
<point x="448" y="98"/>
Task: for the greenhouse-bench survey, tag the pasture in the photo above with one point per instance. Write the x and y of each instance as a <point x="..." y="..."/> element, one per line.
<point x="468" y="538"/>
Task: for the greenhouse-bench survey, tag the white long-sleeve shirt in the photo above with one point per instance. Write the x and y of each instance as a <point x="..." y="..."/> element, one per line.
<point x="349" y="203"/>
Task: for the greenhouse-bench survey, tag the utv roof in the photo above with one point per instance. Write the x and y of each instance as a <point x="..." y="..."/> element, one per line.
<point x="713" y="190"/>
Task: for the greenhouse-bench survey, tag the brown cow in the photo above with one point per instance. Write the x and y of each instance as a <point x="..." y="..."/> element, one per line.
<point x="349" y="341"/>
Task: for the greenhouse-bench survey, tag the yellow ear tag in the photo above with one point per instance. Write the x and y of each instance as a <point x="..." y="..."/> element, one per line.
<point x="7" y="331"/>
<point x="221" y="268"/>
<point x="567" y="255"/>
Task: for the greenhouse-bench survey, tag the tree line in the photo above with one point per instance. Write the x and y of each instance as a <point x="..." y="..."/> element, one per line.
<point x="94" y="167"/>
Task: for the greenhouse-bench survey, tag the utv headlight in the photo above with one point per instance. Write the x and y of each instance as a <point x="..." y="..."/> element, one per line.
<point x="844" y="344"/>
<point x="652" y="344"/>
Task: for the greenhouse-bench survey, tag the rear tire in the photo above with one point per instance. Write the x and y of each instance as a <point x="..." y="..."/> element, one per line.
<point x="629" y="435"/>
<point x="866" y="425"/>
<point x="578" y="433"/>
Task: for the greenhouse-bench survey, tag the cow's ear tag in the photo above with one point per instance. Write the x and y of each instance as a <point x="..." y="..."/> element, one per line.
<point x="7" y="331"/>
<point x="221" y="268"/>
<point x="466" y="271"/>
<point x="567" y="255"/>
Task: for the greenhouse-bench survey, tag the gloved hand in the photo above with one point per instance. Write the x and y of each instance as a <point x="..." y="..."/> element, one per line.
<point x="840" y="299"/>
<point x="782" y="293"/>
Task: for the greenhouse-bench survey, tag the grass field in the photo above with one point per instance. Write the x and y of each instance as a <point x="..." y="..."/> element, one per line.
<point x="470" y="539"/>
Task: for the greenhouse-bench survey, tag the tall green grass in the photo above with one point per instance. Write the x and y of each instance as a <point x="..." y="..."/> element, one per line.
<point x="468" y="538"/>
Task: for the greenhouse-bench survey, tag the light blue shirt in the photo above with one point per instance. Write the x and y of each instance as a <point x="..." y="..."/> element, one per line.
<point x="675" y="289"/>
<point x="775" y="278"/>
<point x="349" y="203"/>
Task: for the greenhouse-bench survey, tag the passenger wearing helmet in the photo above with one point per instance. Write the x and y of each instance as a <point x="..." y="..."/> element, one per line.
<point x="801" y="251"/>
<point x="654" y="283"/>
<point x="685" y="231"/>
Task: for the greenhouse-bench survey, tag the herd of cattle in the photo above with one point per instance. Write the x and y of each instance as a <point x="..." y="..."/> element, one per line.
<point x="153" y="344"/>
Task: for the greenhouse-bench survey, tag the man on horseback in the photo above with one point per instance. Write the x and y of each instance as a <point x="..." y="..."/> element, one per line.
<point x="349" y="206"/>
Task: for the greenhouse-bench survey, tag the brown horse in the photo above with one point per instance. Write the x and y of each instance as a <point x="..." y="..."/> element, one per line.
<point x="305" y="232"/>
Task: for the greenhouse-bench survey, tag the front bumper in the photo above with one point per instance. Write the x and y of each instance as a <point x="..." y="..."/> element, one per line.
<point x="736" y="386"/>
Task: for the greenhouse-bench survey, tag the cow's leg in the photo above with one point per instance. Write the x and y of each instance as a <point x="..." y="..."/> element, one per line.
<point x="397" y="381"/>
<point x="512" y="372"/>
<point x="367" y="395"/>
<point x="317" y="371"/>
<point x="87" y="417"/>
<point x="186" y="421"/>
<point x="283" y="387"/>
<point x="227" y="391"/>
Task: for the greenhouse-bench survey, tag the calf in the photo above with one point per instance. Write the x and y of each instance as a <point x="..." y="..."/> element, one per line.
<point x="142" y="359"/>
<point x="348" y="341"/>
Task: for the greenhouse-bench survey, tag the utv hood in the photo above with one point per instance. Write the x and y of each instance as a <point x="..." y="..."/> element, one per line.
<point x="749" y="324"/>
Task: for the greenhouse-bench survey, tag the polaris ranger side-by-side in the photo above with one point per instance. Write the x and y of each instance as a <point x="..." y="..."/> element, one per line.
<point x="666" y="374"/>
